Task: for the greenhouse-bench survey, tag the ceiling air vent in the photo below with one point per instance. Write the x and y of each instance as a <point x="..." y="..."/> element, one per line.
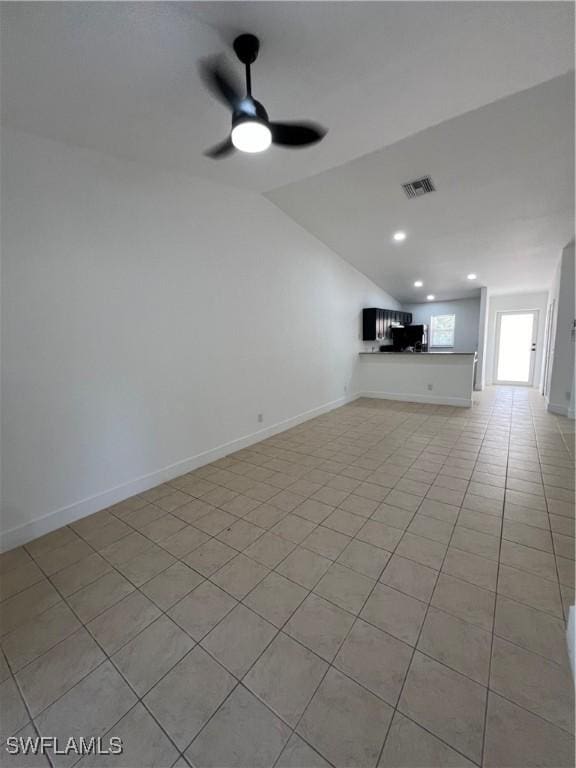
<point x="419" y="187"/>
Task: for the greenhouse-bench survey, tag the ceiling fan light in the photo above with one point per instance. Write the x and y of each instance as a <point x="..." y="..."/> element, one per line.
<point x="251" y="136"/>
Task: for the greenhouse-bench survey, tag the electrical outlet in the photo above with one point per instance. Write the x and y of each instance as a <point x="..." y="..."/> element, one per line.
<point x="429" y="387"/>
<point x="260" y="417"/>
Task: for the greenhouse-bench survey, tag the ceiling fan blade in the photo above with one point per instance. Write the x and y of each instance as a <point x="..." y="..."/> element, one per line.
<point x="221" y="81"/>
<point x="220" y="150"/>
<point x="297" y="134"/>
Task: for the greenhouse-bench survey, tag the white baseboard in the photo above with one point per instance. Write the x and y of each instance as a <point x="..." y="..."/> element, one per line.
<point x="561" y="410"/>
<point x="21" y="534"/>
<point x="462" y="402"/>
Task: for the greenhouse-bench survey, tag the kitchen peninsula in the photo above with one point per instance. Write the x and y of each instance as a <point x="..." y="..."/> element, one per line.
<point x="440" y="378"/>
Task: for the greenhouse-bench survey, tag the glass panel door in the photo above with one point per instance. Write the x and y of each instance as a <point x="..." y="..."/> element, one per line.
<point x="516" y="347"/>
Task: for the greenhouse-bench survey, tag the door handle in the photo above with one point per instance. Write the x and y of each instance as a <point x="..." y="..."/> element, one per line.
<point x="533" y="348"/>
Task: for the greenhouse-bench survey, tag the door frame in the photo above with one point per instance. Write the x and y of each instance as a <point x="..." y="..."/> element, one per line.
<point x="536" y="314"/>
<point x="548" y="348"/>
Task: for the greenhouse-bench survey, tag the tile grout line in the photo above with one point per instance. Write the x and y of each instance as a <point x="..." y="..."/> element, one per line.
<point x="415" y="647"/>
<point x="492" y="634"/>
<point x="564" y="614"/>
<point x="267" y="530"/>
<point x="293" y="729"/>
<point x="108" y="658"/>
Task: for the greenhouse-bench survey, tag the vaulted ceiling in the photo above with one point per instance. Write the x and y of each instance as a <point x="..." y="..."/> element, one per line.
<point x="503" y="206"/>
<point x="397" y="84"/>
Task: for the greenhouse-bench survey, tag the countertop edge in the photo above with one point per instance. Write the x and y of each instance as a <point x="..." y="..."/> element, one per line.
<point x="422" y="354"/>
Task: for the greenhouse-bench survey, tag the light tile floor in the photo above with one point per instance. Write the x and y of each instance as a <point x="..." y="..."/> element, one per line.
<point x="385" y="585"/>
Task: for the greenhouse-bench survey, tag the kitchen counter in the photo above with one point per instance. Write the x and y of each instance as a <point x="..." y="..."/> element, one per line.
<point x="440" y="378"/>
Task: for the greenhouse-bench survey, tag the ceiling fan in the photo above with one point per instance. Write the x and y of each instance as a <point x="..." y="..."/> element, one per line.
<point x="252" y="130"/>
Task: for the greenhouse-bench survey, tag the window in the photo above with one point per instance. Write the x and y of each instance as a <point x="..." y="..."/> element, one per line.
<point x="442" y="330"/>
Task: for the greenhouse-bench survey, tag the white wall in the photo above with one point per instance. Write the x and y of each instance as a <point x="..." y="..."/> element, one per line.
<point x="147" y="319"/>
<point x="467" y="313"/>
<point x="552" y="320"/>
<point x="560" y="394"/>
<point x="512" y="302"/>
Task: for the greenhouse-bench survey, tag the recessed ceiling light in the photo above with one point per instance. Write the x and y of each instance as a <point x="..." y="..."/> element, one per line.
<point x="418" y="284"/>
<point x="399" y="236"/>
<point x="430" y="297"/>
<point x="471" y="276"/>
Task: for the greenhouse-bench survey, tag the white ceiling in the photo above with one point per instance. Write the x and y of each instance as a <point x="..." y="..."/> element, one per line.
<point x="504" y="205"/>
<point x="122" y="78"/>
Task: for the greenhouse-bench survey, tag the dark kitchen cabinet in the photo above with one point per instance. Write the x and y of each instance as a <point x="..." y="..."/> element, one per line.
<point x="377" y="324"/>
<point x="372" y="326"/>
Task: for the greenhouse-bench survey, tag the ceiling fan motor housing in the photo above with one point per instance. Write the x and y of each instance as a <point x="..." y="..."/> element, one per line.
<point x="250" y="109"/>
<point x="246" y="48"/>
